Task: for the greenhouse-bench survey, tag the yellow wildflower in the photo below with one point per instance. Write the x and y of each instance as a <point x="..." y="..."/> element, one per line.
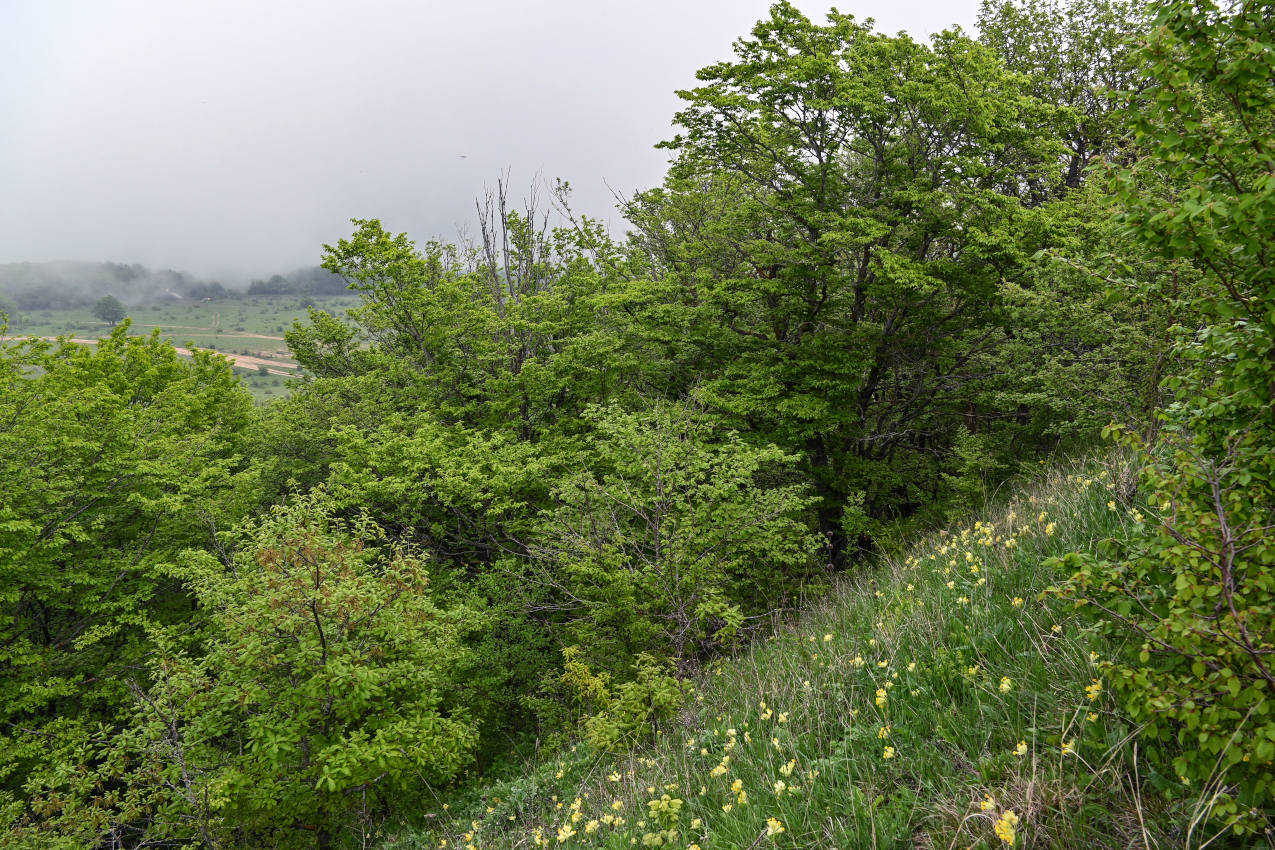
<point x="1007" y="684"/>
<point x="1021" y="749"/>
<point x="1005" y="827"/>
<point x="989" y="803"/>
<point x="774" y="826"/>
<point x="888" y="753"/>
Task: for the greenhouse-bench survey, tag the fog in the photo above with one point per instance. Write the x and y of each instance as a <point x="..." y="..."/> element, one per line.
<point x="232" y="138"/>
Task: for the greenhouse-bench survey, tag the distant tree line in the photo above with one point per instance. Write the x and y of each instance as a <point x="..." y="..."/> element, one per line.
<point x="69" y="286"/>
<point x="308" y="281"/>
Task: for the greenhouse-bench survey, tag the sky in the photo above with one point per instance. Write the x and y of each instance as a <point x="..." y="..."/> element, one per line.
<point x="232" y="138"/>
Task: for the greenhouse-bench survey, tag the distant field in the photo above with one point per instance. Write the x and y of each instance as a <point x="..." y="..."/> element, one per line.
<point x="250" y="328"/>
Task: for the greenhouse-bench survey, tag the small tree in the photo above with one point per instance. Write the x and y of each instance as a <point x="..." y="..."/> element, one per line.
<point x="679" y="533"/>
<point x="109" y="309"/>
<point x="324" y="701"/>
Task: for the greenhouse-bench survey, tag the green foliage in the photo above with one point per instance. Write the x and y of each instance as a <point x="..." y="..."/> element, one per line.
<point x="849" y="202"/>
<point x="116" y="459"/>
<point x="1195" y="588"/>
<point x="109" y="309"/>
<point x="678" y="532"/>
<point x="324" y="700"/>
<point x="877" y="282"/>
<point x="1078" y="55"/>
<point x="623" y="715"/>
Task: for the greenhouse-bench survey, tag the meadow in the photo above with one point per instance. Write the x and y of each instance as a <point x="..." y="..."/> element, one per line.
<point x="248" y="329"/>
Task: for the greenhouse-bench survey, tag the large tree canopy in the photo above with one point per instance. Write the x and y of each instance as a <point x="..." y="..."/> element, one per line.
<point x="842" y="209"/>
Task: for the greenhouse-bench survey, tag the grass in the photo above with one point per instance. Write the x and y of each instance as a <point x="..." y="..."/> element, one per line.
<point x="250" y="326"/>
<point x="931" y="700"/>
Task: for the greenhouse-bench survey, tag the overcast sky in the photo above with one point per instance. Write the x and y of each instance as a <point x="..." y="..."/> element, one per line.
<point x="233" y="137"/>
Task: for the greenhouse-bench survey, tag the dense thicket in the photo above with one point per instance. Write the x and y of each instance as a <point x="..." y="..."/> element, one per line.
<point x="531" y="483"/>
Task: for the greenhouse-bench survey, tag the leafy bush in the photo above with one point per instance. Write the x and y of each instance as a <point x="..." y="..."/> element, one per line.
<point x="325" y="699"/>
<point x="679" y="533"/>
<point x="624" y="713"/>
<point x="115" y="459"/>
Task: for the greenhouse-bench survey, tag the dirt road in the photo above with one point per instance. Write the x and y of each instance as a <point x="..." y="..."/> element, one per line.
<point x="273" y="367"/>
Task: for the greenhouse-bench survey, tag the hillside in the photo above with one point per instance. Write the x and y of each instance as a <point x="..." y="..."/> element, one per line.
<point x="936" y="700"/>
<point x="566" y="537"/>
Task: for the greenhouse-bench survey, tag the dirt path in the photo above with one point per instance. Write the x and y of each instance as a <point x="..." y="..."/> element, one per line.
<point x="244" y="334"/>
<point x="273" y="367"/>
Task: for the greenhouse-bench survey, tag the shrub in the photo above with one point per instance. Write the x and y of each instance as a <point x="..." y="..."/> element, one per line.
<point x="325" y="698"/>
<point x="679" y="532"/>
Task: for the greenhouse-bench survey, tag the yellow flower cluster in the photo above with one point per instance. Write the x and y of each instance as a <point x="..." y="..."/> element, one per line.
<point x="1006" y="827"/>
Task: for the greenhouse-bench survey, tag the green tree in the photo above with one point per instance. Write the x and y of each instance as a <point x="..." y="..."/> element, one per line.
<point x="116" y="459"/>
<point x="109" y="309"/>
<point x="1078" y="55"/>
<point x="324" y="700"/>
<point x="676" y="533"/>
<point x="841" y="211"/>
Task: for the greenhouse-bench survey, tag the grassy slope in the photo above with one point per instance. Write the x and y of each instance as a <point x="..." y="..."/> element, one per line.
<point x="985" y="710"/>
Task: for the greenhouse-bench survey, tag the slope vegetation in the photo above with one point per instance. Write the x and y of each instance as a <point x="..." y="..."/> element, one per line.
<point x="941" y="698"/>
